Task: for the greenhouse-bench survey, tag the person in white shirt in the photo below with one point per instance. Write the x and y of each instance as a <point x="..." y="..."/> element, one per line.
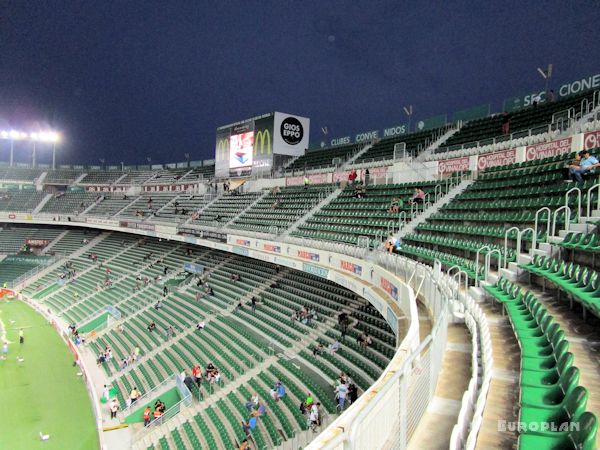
<point x="314" y="417"/>
<point x="341" y="393"/>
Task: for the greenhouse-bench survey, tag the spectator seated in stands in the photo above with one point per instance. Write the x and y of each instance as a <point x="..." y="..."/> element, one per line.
<point x="587" y="166"/>
<point x="317" y="350"/>
<point x="396" y="205"/>
<point x="360" y="191"/>
<point x="200" y="325"/>
<point x="151" y="326"/>
<point x="391" y="243"/>
<point x="334" y="347"/>
<point x="418" y="196"/>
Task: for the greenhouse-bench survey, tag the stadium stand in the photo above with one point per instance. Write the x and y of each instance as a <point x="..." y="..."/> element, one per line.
<point x="544" y="336"/>
<point x="534" y="118"/>
<point x="324" y="158"/>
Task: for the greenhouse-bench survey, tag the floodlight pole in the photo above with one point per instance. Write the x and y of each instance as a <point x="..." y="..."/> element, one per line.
<point x="53" y="155"/>
<point x="12" y="152"/>
<point x="33" y="159"/>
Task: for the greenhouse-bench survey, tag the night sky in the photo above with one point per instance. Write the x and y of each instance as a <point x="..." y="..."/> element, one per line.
<point x="127" y="80"/>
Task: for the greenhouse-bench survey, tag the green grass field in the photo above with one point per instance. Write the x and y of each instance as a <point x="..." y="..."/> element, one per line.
<point x="44" y="392"/>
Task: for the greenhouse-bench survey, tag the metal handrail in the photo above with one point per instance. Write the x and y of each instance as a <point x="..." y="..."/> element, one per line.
<point x="506" y="233"/>
<point x="535" y="229"/>
<point x="589" y="200"/>
<point x="485" y="247"/>
<point x="567" y="218"/>
<point x="488" y="260"/>
<point x="437" y="194"/>
<point x="578" y="199"/>
<point x="401" y="220"/>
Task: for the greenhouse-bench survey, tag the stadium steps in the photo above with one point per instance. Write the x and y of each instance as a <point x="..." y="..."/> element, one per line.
<point x="93" y="293"/>
<point x="80" y="251"/>
<point x="41" y="204"/>
<point x="354" y="157"/>
<point x="293" y="227"/>
<point x="435" y="427"/>
<point x="435" y="207"/>
<point x="500" y="404"/>
<point x="247" y="208"/>
<point x="437" y="143"/>
<point x="54" y="242"/>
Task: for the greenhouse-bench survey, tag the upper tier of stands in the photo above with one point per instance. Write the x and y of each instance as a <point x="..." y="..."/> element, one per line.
<point x="313" y="159"/>
<point x="536" y="118"/>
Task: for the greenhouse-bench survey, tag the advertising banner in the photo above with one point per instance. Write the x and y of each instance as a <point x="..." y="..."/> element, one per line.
<point x="431" y="123"/>
<point x="591" y="140"/>
<point x="475" y="112"/>
<point x="193" y="268"/>
<point x="294" y="181"/>
<point x="496" y="159"/>
<point x="453" y="165"/>
<point x="291" y="134"/>
<point x="548" y="149"/>
<point x="37" y="242"/>
<point x="570" y="88"/>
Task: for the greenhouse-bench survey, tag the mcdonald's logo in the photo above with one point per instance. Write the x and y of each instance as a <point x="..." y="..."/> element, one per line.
<point x="262" y="136"/>
<point x="222" y="149"/>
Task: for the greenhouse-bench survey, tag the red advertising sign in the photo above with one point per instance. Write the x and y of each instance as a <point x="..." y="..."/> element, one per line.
<point x="497" y="159"/>
<point x="591" y="140"/>
<point x="377" y="172"/>
<point x="453" y="165"/>
<point x="294" y="181"/>
<point x="318" y="178"/>
<point x="37" y="242"/>
<point x="548" y="149"/>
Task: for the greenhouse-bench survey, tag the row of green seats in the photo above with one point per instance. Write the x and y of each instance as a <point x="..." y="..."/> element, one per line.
<point x="549" y="383"/>
<point x="481" y="230"/>
<point x="578" y="281"/>
<point x="461" y="244"/>
<point x="446" y="259"/>
<point x="581" y="242"/>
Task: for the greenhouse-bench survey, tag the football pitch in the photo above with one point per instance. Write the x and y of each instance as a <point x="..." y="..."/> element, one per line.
<point x="43" y="392"/>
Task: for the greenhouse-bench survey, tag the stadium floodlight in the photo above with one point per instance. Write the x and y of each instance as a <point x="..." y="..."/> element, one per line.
<point x="49" y="136"/>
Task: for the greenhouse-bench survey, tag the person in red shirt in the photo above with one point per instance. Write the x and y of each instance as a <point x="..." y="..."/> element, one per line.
<point x="352" y="177"/>
<point x="147" y="416"/>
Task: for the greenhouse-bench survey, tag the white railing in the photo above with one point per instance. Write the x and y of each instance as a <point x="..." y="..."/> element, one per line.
<point x="390" y="410"/>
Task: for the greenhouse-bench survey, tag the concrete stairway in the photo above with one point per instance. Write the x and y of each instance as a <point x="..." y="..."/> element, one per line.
<point x="435" y="207"/>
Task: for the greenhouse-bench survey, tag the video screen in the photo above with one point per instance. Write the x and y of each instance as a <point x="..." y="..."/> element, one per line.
<point x="240" y="150"/>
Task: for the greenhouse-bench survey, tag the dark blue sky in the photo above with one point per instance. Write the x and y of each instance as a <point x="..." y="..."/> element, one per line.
<point x="126" y="80"/>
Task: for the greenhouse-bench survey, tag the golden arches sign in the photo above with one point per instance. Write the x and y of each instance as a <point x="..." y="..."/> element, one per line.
<point x="222" y="149"/>
<point x="262" y="136"/>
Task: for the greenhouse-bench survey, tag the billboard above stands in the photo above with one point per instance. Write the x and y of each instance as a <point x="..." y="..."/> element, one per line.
<point x="489" y="160"/>
<point x="291" y="134"/>
<point x="431" y="123"/>
<point x="475" y="112"/>
<point x="570" y="88"/>
<point x="548" y="149"/>
<point x="241" y="147"/>
<point x="453" y="165"/>
<point x="591" y="140"/>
